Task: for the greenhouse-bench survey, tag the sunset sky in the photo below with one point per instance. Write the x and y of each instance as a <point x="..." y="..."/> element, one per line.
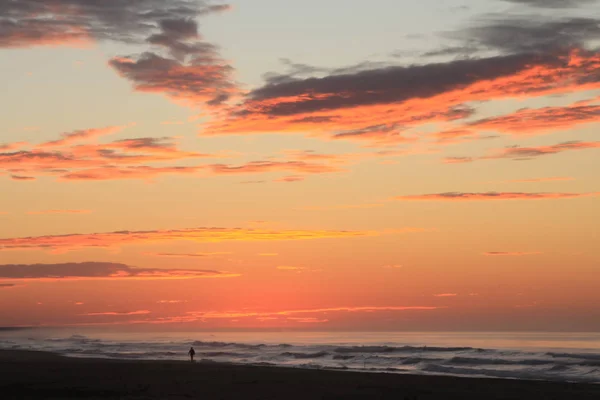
<point x="321" y="165"/>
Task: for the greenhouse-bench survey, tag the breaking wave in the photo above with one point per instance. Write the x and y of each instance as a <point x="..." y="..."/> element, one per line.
<point x="384" y="357"/>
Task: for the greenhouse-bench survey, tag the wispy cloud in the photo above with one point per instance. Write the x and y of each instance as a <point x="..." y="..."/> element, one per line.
<point x="461" y="196"/>
<point x="290" y="179"/>
<point x="256" y="167"/>
<point x="366" y="309"/>
<point x="13" y="146"/>
<point x="118" y="159"/>
<point x="22" y="178"/>
<point x="100" y="271"/>
<point x="171" y="301"/>
<point x="553" y="3"/>
<point x="446" y="295"/>
<point x="188" y="255"/>
<point x="202" y="235"/>
<point x="290" y="268"/>
<point x="517" y="152"/>
<point x="533" y="121"/>
<point x="342" y="207"/>
<point x="70" y="138"/>
<point x="138" y="172"/>
<point x="526" y="153"/>
<point x="511" y="253"/>
<point x="116" y="313"/>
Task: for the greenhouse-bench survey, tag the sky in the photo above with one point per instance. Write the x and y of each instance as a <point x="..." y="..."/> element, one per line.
<point x="318" y="165"/>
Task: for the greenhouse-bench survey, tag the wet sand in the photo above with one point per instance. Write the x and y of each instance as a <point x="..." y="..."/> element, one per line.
<point x="37" y="375"/>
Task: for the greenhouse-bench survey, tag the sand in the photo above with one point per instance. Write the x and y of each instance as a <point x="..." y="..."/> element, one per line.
<point x="37" y="375"/>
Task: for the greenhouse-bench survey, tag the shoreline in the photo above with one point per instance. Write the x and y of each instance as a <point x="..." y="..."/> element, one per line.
<point x="43" y="375"/>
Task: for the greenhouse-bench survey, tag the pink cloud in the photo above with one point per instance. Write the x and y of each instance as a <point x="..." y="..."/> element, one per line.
<point x="460" y="196"/>
<point x="290" y="179"/>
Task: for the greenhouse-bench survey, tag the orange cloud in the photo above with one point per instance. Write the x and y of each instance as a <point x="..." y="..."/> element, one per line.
<point x="36" y="33"/>
<point x="287" y="313"/>
<point x="138" y="172"/>
<point x="460" y="196"/>
<point x="535" y="121"/>
<point x="511" y="253"/>
<point x="273" y="166"/>
<point x="446" y="295"/>
<point x="380" y="105"/>
<point x="104" y="161"/>
<point x="83" y="135"/>
<point x="290" y="268"/>
<point x="12" y="146"/>
<point x="308" y="320"/>
<point x="116" y="313"/>
<point x="171" y="301"/>
<point x="202" y="235"/>
<point x="187" y="255"/>
<point x="127" y="151"/>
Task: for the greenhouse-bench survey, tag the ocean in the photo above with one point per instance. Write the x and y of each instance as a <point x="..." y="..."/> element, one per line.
<point x="571" y="357"/>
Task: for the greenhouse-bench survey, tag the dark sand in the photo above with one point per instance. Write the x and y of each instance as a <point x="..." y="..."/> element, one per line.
<point x="35" y="375"/>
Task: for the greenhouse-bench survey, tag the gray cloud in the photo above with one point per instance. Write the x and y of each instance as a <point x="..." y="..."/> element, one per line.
<point x="195" y="72"/>
<point x="553" y="3"/>
<point x="26" y="23"/>
<point x="97" y="270"/>
<point x="204" y="78"/>
<point x="530" y="33"/>
<point x="388" y="85"/>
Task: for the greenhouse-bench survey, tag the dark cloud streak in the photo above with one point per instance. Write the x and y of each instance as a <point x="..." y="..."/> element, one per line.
<point x="97" y="270"/>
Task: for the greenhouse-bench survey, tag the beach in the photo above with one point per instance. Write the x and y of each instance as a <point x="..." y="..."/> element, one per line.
<point x="40" y="375"/>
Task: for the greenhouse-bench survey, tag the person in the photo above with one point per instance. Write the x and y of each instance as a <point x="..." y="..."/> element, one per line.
<point x="192" y="352"/>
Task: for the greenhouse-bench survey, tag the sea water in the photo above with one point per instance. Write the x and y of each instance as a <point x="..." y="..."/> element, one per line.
<point x="572" y="357"/>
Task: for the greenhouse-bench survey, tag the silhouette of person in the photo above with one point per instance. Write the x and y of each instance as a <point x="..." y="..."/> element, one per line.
<point x="192" y="353"/>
